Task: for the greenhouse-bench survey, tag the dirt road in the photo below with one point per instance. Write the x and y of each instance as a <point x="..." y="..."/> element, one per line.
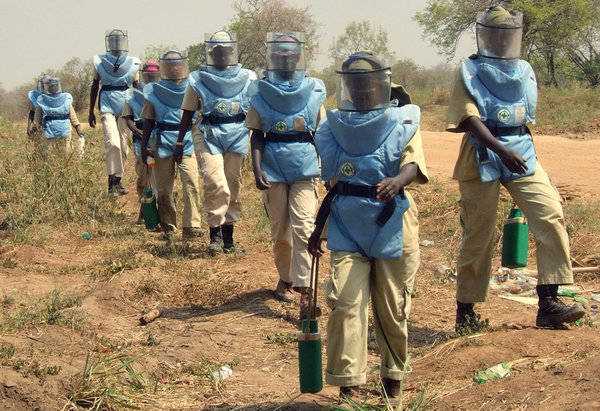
<point x="573" y="165"/>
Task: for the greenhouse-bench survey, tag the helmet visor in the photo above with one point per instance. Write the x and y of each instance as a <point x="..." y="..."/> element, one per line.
<point x="285" y="52"/>
<point x="174" y="66"/>
<point x="221" y="49"/>
<point x="52" y="86"/>
<point x="117" y="42"/>
<point x="362" y="89"/>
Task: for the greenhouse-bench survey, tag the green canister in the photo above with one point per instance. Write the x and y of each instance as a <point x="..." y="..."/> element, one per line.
<point x="310" y="358"/>
<point x="515" y="240"/>
<point x="149" y="209"/>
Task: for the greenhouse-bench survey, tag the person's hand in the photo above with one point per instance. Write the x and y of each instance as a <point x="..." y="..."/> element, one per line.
<point x="387" y="189"/>
<point x="315" y="243"/>
<point x="145" y="154"/>
<point x="178" y="153"/>
<point x="137" y="135"/>
<point x="261" y="180"/>
<point x="513" y="161"/>
<point x="92" y="119"/>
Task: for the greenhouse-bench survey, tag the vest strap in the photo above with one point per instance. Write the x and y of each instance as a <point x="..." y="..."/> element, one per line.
<point x="110" y="88"/>
<point x="303" y="137"/>
<point x="357" y="190"/>
<point x="211" y="119"/>
<point x="508" y="131"/>
<point x="167" y="126"/>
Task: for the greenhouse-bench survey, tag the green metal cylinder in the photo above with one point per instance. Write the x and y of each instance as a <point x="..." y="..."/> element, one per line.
<point x="310" y="359"/>
<point x="515" y="240"/>
<point x="149" y="210"/>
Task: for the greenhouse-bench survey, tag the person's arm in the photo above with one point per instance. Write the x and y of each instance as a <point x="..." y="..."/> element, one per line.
<point x="30" y="124"/>
<point x="257" y="145"/>
<point x="184" y="125"/>
<point x="510" y="158"/>
<point x="389" y="187"/>
<point x="148" y="127"/>
<point x="137" y="133"/>
<point x="93" y="95"/>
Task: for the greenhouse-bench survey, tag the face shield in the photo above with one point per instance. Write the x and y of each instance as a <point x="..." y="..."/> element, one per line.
<point x="285" y="54"/>
<point x="174" y="66"/>
<point x="221" y="49"/>
<point x="52" y="85"/>
<point x="149" y="73"/>
<point x="364" y="83"/>
<point x="117" y="42"/>
<point x="499" y="34"/>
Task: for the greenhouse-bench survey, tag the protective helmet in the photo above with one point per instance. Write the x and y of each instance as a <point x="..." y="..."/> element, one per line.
<point x="499" y="33"/>
<point x="221" y="49"/>
<point x="51" y="85"/>
<point x="40" y="83"/>
<point x="364" y="83"/>
<point x="174" y="66"/>
<point x="150" y="72"/>
<point x="285" y="53"/>
<point x="117" y="42"/>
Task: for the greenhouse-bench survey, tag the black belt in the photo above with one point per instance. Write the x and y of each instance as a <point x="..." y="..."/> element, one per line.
<point x="508" y="131"/>
<point x="61" y="117"/>
<point x="167" y="126"/>
<point x="111" y="88"/>
<point x="357" y="190"/>
<point x="221" y="120"/>
<point x="304" y="137"/>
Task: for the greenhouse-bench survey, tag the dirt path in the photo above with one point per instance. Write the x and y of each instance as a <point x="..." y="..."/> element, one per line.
<point x="221" y="310"/>
<point x="573" y="165"/>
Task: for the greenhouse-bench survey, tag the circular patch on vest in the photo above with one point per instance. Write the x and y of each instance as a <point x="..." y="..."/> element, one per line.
<point x="503" y="115"/>
<point x="222" y="107"/>
<point x="347" y="169"/>
<point x="281" y="126"/>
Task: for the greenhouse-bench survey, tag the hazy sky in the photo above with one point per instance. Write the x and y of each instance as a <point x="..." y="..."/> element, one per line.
<point x="36" y="35"/>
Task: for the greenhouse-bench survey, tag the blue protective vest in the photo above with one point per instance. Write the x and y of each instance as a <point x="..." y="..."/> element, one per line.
<point x="364" y="149"/>
<point x="33" y="95"/>
<point x="166" y="98"/>
<point x="135" y="100"/>
<point x="225" y="102"/>
<point x="505" y="100"/>
<point x="113" y="101"/>
<point x="55" y="114"/>
<point x="288" y="111"/>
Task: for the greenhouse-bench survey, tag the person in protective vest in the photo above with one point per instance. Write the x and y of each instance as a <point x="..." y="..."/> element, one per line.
<point x="219" y="93"/>
<point x="32" y="96"/>
<point x="116" y="72"/>
<point x="370" y="150"/>
<point x="285" y="108"/>
<point x="161" y="114"/>
<point x="493" y="97"/>
<point x="55" y="115"/>
<point x="132" y="115"/>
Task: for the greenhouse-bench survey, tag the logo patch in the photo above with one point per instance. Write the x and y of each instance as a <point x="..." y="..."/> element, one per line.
<point x="281" y="126"/>
<point x="52" y="111"/>
<point x="222" y="107"/>
<point x="503" y="115"/>
<point x="347" y="169"/>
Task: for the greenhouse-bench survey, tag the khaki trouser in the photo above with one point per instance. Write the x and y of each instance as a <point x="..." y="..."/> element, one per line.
<point x="145" y="178"/>
<point x="291" y="210"/>
<point x="222" y="174"/>
<point x="541" y="205"/>
<point x="54" y="146"/>
<point x="116" y="133"/>
<point x="352" y="279"/>
<point x="164" y="173"/>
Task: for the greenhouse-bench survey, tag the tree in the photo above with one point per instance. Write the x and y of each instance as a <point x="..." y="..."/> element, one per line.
<point x="361" y="36"/>
<point x="76" y="78"/>
<point x="154" y="52"/>
<point x="255" y="18"/>
<point x="550" y="27"/>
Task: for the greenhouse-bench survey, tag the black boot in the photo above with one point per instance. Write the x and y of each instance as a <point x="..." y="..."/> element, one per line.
<point x="467" y="321"/>
<point x="118" y="187"/>
<point x="216" y="240"/>
<point x="227" y="232"/>
<point x="111" y="183"/>
<point x="552" y="311"/>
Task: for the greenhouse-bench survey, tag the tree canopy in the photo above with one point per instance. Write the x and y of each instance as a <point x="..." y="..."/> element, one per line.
<point x="362" y="36"/>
